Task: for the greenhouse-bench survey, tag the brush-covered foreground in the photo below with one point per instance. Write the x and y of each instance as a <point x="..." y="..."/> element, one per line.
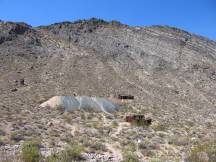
<point x="86" y="136"/>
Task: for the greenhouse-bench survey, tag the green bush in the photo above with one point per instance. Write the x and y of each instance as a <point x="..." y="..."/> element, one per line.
<point x="159" y="126"/>
<point x="17" y="136"/>
<point x="116" y="23"/>
<point x="115" y="124"/>
<point x="96" y="21"/>
<point x="31" y="151"/>
<point x="74" y="153"/>
<point x="179" y="141"/>
<point x="1" y="141"/>
<point x="98" y="146"/>
<point x="69" y="154"/>
<point x="53" y="158"/>
<point x="128" y="156"/>
<point x="205" y="152"/>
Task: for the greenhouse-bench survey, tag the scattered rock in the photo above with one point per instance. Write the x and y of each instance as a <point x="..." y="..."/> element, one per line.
<point x="14" y="90"/>
<point x="93" y="157"/>
<point x="2" y="133"/>
<point x="22" y="82"/>
<point x="203" y="156"/>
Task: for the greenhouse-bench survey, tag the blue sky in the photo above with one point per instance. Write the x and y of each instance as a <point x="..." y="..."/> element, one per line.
<point x="197" y="16"/>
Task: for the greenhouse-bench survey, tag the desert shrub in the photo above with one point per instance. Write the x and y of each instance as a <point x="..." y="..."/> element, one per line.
<point x="155" y="160"/>
<point x="1" y="141"/>
<point x="98" y="146"/>
<point x="96" y="21"/>
<point x="54" y="133"/>
<point x="140" y="123"/>
<point x="83" y="117"/>
<point x="7" y="160"/>
<point x="53" y="158"/>
<point x="115" y="124"/>
<point x="78" y="21"/>
<point x="129" y="157"/>
<point x="85" y="141"/>
<point x="2" y="133"/>
<point x="60" y="109"/>
<point x="203" y="152"/>
<point x="74" y="152"/>
<point x="93" y="124"/>
<point x="31" y="151"/>
<point x="67" y="118"/>
<point x="131" y="146"/>
<point x="116" y="23"/>
<point x="159" y="126"/>
<point x="71" y="153"/>
<point x="17" y="136"/>
<point x="142" y="146"/>
<point x="89" y="117"/>
<point x="8" y="157"/>
<point x="179" y="141"/>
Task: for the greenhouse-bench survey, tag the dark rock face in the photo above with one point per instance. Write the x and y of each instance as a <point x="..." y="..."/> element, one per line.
<point x="19" y="28"/>
<point x="22" y="82"/>
<point x="11" y="30"/>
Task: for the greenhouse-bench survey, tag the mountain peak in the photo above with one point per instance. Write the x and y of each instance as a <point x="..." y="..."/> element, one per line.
<point x="92" y="23"/>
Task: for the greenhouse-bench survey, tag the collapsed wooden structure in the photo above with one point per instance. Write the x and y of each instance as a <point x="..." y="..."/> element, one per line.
<point x="125" y="97"/>
<point x="138" y="119"/>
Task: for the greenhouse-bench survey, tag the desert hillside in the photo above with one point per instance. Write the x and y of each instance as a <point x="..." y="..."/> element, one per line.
<point x="170" y="72"/>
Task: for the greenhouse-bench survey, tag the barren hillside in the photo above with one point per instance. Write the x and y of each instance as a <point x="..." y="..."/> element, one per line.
<point x="171" y="73"/>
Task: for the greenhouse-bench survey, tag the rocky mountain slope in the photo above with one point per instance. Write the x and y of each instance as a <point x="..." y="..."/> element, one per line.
<point x="171" y="73"/>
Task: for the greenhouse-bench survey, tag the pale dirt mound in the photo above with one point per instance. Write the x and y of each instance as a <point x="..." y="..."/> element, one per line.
<point x="70" y="103"/>
<point x="52" y="102"/>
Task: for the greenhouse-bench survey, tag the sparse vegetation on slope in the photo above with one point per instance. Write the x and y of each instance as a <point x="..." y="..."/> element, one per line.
<point x="170" y="72"/>
<point x="31" y="151"/>
<point x="203" y="152"/>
